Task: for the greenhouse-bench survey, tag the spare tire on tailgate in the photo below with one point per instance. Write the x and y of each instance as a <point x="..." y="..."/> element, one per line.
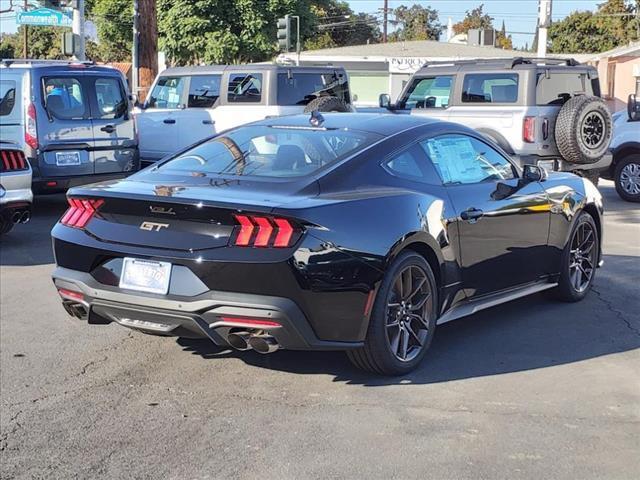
<point x="583" y="129"/>
<point x="326" y="104"/>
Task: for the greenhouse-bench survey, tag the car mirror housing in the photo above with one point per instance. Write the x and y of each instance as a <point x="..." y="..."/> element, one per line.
<point x="534" y="173"/>
<point x="633" y="107"/>
<point x="384" y="100"/>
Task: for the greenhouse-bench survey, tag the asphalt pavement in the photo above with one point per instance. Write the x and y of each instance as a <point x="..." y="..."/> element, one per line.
<point x="529" y="390"/>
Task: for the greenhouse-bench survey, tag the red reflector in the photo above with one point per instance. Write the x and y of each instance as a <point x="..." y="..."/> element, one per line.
<point x="250" y="321"/>
<point x="70" y="294"/>
<point x="80" y="212"/>
<point x="264" y="231"/>
<point x="529" y="129"/>
<point x="369" y="304"/>
<point x="285" y="231"/>
<point x="246" y="230"/>
<point x="51" y="184"/>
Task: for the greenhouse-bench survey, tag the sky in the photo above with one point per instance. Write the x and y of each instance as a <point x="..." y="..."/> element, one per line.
<point x="519" y="15"/>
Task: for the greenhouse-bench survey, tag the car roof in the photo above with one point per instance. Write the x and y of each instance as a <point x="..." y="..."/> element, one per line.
<point x="257" y="67"/>
<point x="379" y="123"/>
<point x="51" y="66"/>
<point x="492" y="64"/>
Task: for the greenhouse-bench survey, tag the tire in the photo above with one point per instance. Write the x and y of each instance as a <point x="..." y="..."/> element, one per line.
<point x="583" y="129"/>
<point x="326" y="104"/>
<point x="592" y="175"/>
<point x="388" y="328"/>
<point x="568" y="289"/>
<point x="627" y="178"/>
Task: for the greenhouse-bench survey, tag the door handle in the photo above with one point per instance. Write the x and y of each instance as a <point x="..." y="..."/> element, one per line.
<point x="471" y="215"/>
<point x="208" y="122"/>
<point x="169" y="121"/>
<point x="108" y="129"/>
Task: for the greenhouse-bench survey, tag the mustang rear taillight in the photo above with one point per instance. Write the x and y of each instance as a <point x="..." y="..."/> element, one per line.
<point x="12" y="160"/>
<point x="81" y="211"/>
<point x="259" y="231"/>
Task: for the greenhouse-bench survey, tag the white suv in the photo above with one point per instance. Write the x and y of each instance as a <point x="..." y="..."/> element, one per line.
<point x="188" y="104"/>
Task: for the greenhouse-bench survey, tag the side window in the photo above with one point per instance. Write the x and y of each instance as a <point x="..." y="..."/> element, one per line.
<point x="490" y="88"/>
<point x="204" y="91"/>
<point x="556" y="88"/>
<point x="7" y="97"/>
<point x="167" y="93"/>
<point x="433" y="92"/>
<point x="110" y="98"/>
<point x="64" y="98"/>
<point x="412" y="164"/>
<point x="245" y="88"/>
<point x="301" y="88"/>
<point x="460" y="159"/>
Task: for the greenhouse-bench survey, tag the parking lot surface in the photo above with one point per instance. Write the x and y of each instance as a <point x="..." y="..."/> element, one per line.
<point x="532" y="389"/>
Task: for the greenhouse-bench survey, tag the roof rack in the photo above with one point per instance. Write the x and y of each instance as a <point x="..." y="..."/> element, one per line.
<point x="7" y="62"/>
<point x="506" y="62"/>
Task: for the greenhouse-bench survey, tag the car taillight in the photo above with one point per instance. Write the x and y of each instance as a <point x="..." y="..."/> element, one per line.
<point x="12" y="160"/>
<point x="80" y="212"/>
<point x="259" y="231"/>
<point x="31" y="132"/>
<point x="529" y="129"/>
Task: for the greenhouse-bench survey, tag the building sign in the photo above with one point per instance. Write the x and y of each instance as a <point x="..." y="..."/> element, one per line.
<point x="44" y="17"/>
<point x="406" y="65"/>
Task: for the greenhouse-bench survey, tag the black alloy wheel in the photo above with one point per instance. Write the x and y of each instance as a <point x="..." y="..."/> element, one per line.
<point x="403" y="319"/>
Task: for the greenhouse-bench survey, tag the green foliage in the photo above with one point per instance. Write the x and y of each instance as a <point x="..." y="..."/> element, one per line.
<point x="416" y="23"/>
<point x="588" y="32"/>
<point x="475" y="18"/>
<point x="114" y="22"/>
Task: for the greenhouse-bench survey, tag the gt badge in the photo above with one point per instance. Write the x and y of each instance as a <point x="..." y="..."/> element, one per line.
<point x="153" y="226"/>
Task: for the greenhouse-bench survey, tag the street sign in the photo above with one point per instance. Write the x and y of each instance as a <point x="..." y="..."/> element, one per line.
<point x="44" y="17"/>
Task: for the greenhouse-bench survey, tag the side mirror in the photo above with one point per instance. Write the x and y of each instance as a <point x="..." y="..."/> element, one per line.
<point x="384" y="100"/>
<point x="633" y="108"/>
<point x="534" y="173"/>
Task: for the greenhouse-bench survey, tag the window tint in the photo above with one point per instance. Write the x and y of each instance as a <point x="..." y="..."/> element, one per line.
<point x="7" y="97"/>
<point x="431" y="92"/>
<point x="167" y="93"/>
<point x="301" y="88"/>
<point x="64" y="97"/>
<point x="110" y="98"/>
<point x="490" y="88"/>
<point x="204" y="91"/>
<point x="559" y="87"/>
<point x="460" y="160"/>
<point x="269" y="151"/>
<point x="412" y="164"/>
<point x="245" y="88"/>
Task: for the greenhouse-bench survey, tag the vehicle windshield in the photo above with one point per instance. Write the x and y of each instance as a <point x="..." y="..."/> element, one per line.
<point x="270" y="151"/>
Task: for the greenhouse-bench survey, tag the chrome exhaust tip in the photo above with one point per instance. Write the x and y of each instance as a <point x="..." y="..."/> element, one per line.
<point x="25" y="217"/>
<point x="263" y="343"/>
<point x="76" y="310"/>
<point x="239" y="340"/>
<point x="15" y="218"/>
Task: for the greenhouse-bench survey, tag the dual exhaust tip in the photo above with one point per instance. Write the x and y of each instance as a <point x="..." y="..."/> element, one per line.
<point x="75" y="309"/>
<point x="21" y="216"/>
<point x="261" y="343"/>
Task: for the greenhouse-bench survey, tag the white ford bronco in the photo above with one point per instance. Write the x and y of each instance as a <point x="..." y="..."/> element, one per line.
<point x="546" y="112"/>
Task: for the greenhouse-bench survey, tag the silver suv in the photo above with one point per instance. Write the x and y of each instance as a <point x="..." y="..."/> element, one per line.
<point x="541" y="111"/>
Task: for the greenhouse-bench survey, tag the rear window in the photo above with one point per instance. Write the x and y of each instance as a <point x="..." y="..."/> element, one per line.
<point x="245" y="88"/>
<point x="64" y="98"/>
<point x="557" y="88"/>
<point x="490" y="88"/>
<point x="7" y="97"/>
<point x="110" y="98"/>
<point x="266" y="151"/>
<point x="301" y="88"/>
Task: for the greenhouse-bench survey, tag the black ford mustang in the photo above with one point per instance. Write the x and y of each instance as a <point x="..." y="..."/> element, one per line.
<point x="347" y="232"/>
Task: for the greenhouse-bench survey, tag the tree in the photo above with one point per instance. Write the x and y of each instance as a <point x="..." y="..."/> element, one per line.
<point x="416" y="23"/>
<point x="503" y="40"/>
<point x="114" y="23"/>
<point x="475" y="18"/>
<point x="612" y="25"/>
<point x="334" y="24"/>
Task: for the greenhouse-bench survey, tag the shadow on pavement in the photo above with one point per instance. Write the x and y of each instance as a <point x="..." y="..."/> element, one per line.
<point x="526" y="334"/>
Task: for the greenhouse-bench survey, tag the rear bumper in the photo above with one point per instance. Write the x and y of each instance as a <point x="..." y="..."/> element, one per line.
<point x="60" y="184"/>
<point x="200" y="316"/>
<point x="558" y="164"/>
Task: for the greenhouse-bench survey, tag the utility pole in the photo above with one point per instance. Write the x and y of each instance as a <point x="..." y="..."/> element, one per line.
<point x="544" y="22"/>
<point x="385" y="11"/>
<point x="134" y="54"/>
<point x="25" y="38"/>
<point x="147" y="46"/>
<point x="77" y="27"/>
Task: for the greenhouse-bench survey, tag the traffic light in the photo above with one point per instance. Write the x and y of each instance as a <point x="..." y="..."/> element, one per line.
<point x="284" y="33"/>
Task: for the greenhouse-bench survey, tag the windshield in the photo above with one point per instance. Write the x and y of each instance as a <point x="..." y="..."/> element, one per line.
<point x="270" y="151"/>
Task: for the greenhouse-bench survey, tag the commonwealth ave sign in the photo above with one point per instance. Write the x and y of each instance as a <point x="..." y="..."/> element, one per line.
<point x="44" y="17"/>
